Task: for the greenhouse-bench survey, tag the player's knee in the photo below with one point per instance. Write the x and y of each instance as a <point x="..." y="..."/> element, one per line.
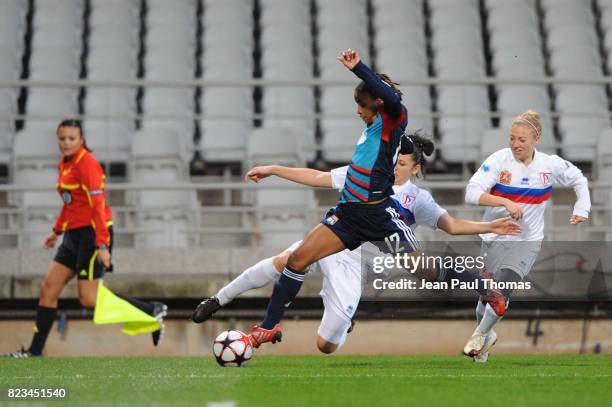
<point x="297" y="261"/>
<point x="280" y="261"/>
<point x="49" y="289"/>
<point x="325" y="346"/>
<point x="87" y="301"/>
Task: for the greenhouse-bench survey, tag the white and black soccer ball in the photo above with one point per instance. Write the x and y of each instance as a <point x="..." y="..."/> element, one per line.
<point x="232" y="348"/>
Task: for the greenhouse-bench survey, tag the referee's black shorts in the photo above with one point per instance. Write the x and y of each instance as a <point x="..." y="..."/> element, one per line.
<point x="382" y="224"/>
<point x="78" y="252"/>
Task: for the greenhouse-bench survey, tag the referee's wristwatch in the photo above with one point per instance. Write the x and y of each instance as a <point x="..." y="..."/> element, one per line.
<point x="102" y="247"/>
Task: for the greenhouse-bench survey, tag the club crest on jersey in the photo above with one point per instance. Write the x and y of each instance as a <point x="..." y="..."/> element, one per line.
<point x="331" y="220"/>
<point x="545" y="176"/>
<point x="505" y="177"/>
<point x="407" y="200"/>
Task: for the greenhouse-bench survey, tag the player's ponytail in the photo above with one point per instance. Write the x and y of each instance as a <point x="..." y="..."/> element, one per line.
<point x="74" y="123"/>
<point x="423" y="147"/>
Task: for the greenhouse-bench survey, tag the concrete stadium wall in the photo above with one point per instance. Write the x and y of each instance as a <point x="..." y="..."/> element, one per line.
<point x="183" y="338"/>
<point x="145" y="272"/>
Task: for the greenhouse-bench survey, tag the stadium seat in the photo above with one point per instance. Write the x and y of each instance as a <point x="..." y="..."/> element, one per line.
<point x="223" y="141"/>
<point x="339" y="139"/>
<point x="492" y="141"/>
<point x="281" y="224"/>
<point x="274" y="145"/>
<point x="35" y="158"/>
<point x="604" y="164"/>
<point x="111" y="140"/>
<point x="157" y="159"/>
<point x="580" y="137"/>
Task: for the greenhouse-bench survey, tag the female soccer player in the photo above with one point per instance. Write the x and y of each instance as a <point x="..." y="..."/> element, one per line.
<point x="518" y="181"/>
<point x="85" y="221"/>
<point x="364" y="212"/>
<point x="342" y="272"/>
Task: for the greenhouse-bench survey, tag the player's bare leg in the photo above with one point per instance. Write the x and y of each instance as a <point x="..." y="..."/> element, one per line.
<point x="259" y="275"/>
<point x="55" y="280"/>
<point x="319" y="243"/>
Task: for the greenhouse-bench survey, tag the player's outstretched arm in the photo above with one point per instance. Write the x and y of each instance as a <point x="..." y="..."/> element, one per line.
<point x="352" y="61"/>
<point x="457" y="226"/>
<point x="304" y="176"/>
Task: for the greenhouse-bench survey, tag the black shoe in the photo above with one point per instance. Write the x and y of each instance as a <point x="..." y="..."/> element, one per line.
<point x="20" y="354"/>
<point x="348" y="331"/>
<point x="160" y="310"/>
<point x="205" y="310"/>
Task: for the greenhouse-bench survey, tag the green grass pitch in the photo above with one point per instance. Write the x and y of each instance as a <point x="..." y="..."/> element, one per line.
<point x="321" y="380"/>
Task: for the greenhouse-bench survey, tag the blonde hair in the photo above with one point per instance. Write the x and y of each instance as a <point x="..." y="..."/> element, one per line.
<point x="532" y="119"/>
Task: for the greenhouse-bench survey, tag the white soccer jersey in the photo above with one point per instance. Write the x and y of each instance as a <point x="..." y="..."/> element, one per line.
<point x="343" y="275"/>
<point x="419" y="207"/>
<point x="530" y="186"/>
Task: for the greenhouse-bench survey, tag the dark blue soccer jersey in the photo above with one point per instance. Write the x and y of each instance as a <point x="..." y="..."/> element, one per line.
<point x="370" y="173"/>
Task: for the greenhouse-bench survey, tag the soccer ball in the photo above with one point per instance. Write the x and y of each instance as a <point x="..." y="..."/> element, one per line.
<point x="232" y="348"/>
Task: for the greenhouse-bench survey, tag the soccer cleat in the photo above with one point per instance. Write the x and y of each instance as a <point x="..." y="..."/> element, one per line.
<point x="20" y="354"/>
<point x="348" y="331"/>
<point x="490" y="340"/>
<point x="259" y="335"/>
<point x="496" y="300"/>
<point x="475" y="344"/>
<point x="205" y="310"/>
<point x="160" y="310"/>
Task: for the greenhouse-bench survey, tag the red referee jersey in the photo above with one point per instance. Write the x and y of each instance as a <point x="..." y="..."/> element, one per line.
<point x="81" y="187"/>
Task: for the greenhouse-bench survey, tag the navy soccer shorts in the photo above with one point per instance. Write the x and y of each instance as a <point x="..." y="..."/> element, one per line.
<point x="381" y="223"/>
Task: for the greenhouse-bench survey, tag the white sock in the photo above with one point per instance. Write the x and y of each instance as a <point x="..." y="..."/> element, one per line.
<point x="489" y="320"/>
<point x="480" y="311"/>
<point x="256" y="276"/>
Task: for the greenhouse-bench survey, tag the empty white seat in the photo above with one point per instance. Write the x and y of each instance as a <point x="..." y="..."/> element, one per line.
<point x="223" y="141"/>
<point x="574" y="35"/>
<point x="290" y="107"/>
<point x="157" y="160"/>
<point x="36" y="154"/>
<point x="493" y="140"/>
<point x="278" y="145"/>
<point x="52" y="102"/>
<point x="55" y="63"/>
<point x="276" y="215"/>
<point x="463" y="99"/>
<point x="604" y="155"/>
<point x="339" y="139"/>
<point x="580" y="137"/>
<point x="461" y="138"/>
<point x="510" y="15"/>
<point x="581" y="99"/>
<point x="234" y="101"/>
<point x="111" y="140"/>
<point x="230" y="34"/>
<point x="338" y="100"/>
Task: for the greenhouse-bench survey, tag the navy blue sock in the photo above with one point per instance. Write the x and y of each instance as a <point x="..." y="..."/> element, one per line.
<point x="466" y="276"/>
<point x="285" y="290"/>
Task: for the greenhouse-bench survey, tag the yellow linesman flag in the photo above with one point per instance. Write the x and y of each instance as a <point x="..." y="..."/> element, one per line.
<point x="111" y="309"/>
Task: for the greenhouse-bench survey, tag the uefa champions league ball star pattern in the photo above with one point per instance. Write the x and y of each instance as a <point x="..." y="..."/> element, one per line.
<point x="232" y="349"/>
